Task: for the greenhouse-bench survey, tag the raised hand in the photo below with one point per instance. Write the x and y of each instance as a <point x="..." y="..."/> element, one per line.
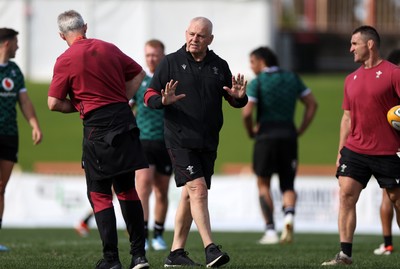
<point x="168" y="95"/>
<point x="239" y="85"/>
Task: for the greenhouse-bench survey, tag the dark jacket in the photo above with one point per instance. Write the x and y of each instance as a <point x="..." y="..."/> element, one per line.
<point x="195" y="121"/>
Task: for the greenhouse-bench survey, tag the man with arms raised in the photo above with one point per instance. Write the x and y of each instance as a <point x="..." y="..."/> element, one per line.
<point x="190" y="84"/>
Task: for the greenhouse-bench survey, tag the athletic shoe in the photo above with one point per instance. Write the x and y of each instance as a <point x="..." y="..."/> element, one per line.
<point x="180" y="259"/>
<point x="103" y="264"/>
<point x="146" y="244"/>
<point x="82" y="229"/>
<point x="287" y="232"/>
<point x="158" y="243"/>
<point x="382" y="250"/>
<point x="340" y="259"/>
<point x="139" y="263"/>
<point x="270" y="237"/>
<point x="4" y="248"/>
<point x="215" y="257"/>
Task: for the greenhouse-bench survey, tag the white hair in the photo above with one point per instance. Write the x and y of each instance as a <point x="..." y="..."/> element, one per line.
<point x="70" y="21"/>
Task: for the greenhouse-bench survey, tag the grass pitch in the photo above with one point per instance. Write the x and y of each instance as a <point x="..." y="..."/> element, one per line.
<point x="62" y="248"/>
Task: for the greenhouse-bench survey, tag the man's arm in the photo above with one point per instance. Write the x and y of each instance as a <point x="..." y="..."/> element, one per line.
<point x="63" y="106"/>
<point x="29" y="113"/>
<point x="133" y="85"/>
<point x="310" y="108"/>
<point x="345" y="126"/>
<point x="167" y="96"/>
<point x="247" y="116"/>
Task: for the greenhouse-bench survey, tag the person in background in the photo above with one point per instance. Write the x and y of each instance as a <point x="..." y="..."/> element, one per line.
<point x="368" y="145"/>
<point x="190" y="85"/>
<point x="156" y="177"/>
<point x="82" y="228"/>
<point x="386" y="208"/>
<point x="12" y="91"/>
<point x="99" y="88"/>
<point x="273" y="95"/>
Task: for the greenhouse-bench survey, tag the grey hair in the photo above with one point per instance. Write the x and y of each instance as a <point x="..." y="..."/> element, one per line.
<point x="205" y="21"/>
<point x="70" y="21"/>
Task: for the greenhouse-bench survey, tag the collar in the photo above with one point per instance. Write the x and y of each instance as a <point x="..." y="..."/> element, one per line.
<point x="79" y="38"/>
<point x="270" y="69"/>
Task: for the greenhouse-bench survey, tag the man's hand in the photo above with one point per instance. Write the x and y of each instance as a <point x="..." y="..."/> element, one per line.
<point x="238" y="89"/>
<point x="168" y="95"/>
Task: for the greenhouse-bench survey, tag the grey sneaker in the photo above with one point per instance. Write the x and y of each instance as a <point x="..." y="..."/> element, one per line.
<point x="180" y="259"/>
<point x="340" y="259"/>
<point x="139" y="263"/>
<point x="215" y="257"/>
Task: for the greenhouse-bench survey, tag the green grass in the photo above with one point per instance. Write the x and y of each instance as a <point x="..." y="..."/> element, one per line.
<point x="62" y="248"/>
<point x="63" y="132"/>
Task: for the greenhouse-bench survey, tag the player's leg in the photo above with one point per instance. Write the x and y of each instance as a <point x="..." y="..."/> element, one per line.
<point x="82" y="228"/>
<point x="100" y="197"/>
<point x="394" y="196"/>
<point x="214" y="256"/>
<point x="6" y="168"/>
<point x="144" y="186"/>
<point x="183" y="216"/>
<point x="386" y="214"/>
<point x="263" y="166"/>
<point x="287" y="168"/>
<point x="267" y="208"/>
<point x="132" y="212"/>
<point x="386" y="169"/>
<point x="160" y="187"/>
<point x="349" y="193"/>
<point x="8" y="157"/>
<point x="183" y="220"/>
<point x="198" y="196"/>
<point x="353" y="172"/>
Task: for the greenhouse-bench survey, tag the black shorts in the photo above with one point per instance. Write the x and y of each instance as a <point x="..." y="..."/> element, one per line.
<point x="276" y="155"/>
<point x="9" y="148"/>
<point x="190" y="164"/>
<point x="157" y="155"/>
<point x="385" y="168"/>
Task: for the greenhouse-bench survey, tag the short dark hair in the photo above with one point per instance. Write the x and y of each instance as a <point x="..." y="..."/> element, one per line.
<point x="394" y="57"/>
<point x="369" y="33"/>
<point x="267" y="55"/>
<point x="7" y="34"/>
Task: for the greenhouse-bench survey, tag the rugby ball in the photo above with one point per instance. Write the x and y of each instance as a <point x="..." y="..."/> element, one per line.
<point x="393" y="117"/>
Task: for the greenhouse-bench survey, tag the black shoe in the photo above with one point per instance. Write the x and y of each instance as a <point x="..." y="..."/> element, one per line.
<point x="139" y="263"/>
<point x="215" y="257"/>
<point x="179" y="258"/>
<point x="103" y="264"/>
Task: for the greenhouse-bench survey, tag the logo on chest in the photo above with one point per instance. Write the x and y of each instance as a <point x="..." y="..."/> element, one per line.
<point x="7" y="83"/>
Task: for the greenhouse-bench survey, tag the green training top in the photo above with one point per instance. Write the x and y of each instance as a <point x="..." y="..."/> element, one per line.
<point x="12" y="83"/>
<point x="150" y="121"/>
<point x="276" y="91"/>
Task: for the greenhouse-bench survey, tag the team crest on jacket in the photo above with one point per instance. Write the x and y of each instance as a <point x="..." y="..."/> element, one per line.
<point x="7" y="83"/>
<point x="215" y="70"/>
